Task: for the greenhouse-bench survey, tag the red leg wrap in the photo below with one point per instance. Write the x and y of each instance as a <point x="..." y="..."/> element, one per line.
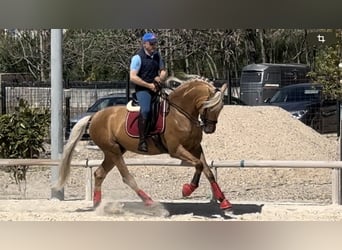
<point x="188" y="189"/>
<point x="224" y="203"/>
<point x="146" y="199"/>
<point x="217" y="191"/>
<point x="97" y="198"/>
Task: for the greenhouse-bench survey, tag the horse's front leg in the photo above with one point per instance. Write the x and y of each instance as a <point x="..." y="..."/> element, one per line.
<point x="189" y="188"/>
<point x="191" y="159"/>
<point x="201" y="165"/>
<point x="218" y="194"/>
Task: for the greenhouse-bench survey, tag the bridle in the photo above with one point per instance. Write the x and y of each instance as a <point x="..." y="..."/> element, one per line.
<point x="205" y="120"/>
<point x="203" y="117"/>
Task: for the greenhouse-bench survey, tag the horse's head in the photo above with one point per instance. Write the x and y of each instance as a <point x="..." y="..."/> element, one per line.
<point x="211" y="109"/>
<point x="198" y="96"/>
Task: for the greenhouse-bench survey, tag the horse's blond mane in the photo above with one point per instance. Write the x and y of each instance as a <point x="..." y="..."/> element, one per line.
<point x="212" y="102"/>
<point x="189" y="78"/>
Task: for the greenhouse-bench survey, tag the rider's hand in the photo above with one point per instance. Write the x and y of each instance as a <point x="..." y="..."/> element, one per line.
<point x="152" y="87"/>
<point x="157" y="79"/>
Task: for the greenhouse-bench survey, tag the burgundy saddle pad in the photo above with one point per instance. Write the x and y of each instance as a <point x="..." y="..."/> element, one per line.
<point x="132" y="122"/>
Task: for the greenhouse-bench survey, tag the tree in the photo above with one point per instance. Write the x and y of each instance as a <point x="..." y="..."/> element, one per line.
<point x="104" y="54"/>
<point x="25" y="51"/>
<point x="327" y="72"/>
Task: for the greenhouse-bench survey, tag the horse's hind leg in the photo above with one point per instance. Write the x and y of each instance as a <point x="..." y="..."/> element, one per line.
<point x="110" y="160"/>
<point x="100" y="174"/>
<point x="128" y="179"/>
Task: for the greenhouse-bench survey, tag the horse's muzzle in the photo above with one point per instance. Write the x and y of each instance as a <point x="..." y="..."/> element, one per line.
<point x="209" y="128"/>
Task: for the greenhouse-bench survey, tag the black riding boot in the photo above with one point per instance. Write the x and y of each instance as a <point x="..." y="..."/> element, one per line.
<point x="143" y="126"/>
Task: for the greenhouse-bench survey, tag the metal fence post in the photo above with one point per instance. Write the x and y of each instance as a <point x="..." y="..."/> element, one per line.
<point x="213" y="199"/>
<point x="56" y="107"/>
<point x="337" y="172"/>
<point x="88" y="181"/>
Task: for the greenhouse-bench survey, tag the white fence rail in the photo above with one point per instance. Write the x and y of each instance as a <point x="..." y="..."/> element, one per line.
<point x="336" y="167"/>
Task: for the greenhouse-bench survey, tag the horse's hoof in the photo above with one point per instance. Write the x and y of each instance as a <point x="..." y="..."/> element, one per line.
<point x="225" y="205"/>
<point x="96" y="204"/>
<point x="148" y="202"/>
<point x="229" y="212"/>
<point x="188" y="189"/>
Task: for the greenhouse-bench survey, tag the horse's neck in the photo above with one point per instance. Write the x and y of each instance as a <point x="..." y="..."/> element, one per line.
<point x="189" y="104"/>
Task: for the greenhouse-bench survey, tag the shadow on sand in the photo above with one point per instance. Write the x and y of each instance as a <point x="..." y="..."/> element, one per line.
<point x="167" y="209"/>
<point x="208" y="209"/>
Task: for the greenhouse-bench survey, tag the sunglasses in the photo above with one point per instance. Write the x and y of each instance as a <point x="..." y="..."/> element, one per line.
<point x="152" y="43"/>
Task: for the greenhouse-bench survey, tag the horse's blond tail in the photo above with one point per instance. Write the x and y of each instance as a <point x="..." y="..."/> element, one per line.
<point x="64" y="165"/>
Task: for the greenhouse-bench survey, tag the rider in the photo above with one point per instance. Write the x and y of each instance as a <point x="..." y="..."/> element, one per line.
<point x="147" y="71"/>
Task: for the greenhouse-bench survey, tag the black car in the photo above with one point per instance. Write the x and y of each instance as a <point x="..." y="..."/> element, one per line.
<point x="233" y="101"/>
<point x="306" y="103"/>
<point x="101" y="103"/>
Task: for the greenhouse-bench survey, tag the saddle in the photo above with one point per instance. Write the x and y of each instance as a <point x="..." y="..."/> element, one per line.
<point x="157" y="122"/>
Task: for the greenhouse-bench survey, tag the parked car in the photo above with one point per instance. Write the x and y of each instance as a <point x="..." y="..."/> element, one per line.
<point x="234" y="101"/>
<point x="306" y="103"/>
<point x="101" y="103"/>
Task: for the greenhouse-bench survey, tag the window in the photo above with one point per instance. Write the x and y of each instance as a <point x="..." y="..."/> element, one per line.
<point x="272" y="76"/>
<point x="251" y="76"/>
<point x="296" y="95"/>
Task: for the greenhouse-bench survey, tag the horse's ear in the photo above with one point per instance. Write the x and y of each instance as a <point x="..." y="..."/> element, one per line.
<point x="223" y="87"/>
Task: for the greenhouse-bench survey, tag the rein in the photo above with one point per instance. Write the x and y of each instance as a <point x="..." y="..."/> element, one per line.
<point x="187" y="115"/>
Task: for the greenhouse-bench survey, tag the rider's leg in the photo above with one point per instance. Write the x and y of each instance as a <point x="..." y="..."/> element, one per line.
<point x="144" y="99"/>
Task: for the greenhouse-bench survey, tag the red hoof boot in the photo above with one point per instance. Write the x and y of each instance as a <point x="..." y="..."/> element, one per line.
<point x="225" y="205"/>
<point x="188" y="189"/>
<point x="97" y="199"/>
<point x="145" y="198"/>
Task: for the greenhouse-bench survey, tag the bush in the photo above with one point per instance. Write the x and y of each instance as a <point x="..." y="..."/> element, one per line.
<point x="22" y="135"/>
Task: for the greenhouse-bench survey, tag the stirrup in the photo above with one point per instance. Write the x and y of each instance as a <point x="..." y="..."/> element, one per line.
<point x="142" y="146"/>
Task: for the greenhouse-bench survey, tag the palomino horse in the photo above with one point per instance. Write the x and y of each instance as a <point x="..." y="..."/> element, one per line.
<point x="192" y="99"/>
